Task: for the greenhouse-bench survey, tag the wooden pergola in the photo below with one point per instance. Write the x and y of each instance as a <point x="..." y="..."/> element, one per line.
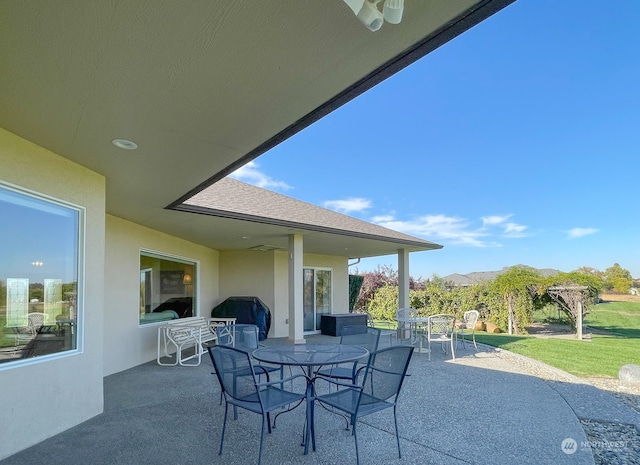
<point x="572" y="300"/>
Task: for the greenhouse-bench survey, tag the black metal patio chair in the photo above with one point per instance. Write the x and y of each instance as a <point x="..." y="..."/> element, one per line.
<point x="244" y="337"/>
<point x="377" y="387"/>
<point x="363" y="336"/>
<point x="240" y="388"/>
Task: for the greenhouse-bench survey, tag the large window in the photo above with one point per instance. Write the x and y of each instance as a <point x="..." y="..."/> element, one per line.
<point x="41" y="241"/>
<point x="167" y="286"/>
<point x="317" y="296"/>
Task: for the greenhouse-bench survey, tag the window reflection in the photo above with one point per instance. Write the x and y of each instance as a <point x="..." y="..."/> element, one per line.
<point x="317" y="297"/>
<point x="166" y="287"/>
<point x="39" y="250"/>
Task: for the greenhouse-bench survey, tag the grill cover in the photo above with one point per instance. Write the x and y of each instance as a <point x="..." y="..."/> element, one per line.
<point x="247" y="310"/>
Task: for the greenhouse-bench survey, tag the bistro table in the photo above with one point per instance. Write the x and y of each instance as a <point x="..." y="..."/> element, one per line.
<point x="414" y="324"/>
<point x="310" y="357"/>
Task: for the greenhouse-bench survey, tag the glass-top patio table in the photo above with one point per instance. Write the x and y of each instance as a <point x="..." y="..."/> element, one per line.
<point x="310" y="357"/>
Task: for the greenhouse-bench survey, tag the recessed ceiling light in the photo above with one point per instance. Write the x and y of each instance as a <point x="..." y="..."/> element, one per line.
<point x="124" y="144"/>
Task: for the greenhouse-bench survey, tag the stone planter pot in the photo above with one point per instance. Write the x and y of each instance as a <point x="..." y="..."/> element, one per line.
<point x="480" y="326"/>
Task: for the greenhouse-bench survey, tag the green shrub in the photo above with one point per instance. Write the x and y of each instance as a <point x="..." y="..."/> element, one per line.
<point x="384" y="303"/>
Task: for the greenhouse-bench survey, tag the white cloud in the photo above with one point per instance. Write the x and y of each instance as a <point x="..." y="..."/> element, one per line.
<point x="440" y="228"/>
<point x="514" y="230"/>
<point x="354" y="204"/>
<point x="250" y="174"/>
<point x="494" y="219"/>
<point x="580" y="232"/>
<point x="381" y="218"/>
<point x="455" y="230"/>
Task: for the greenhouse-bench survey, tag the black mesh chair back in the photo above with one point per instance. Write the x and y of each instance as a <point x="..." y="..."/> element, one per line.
<point x="244" y="337"/>
<point x="363" y="336"/>
<point x="383" y="376"/>
<point x="240" y="387"/>
<point x="355" y="335"/>
<point x="378" y="388"/>
<point x="386" y="332"/>
<point x="237" y="378"/>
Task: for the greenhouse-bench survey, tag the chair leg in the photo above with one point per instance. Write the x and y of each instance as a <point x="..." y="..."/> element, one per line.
<point x="224" y="426"/>
<point x="355" y="436"/>
<point x="261" y="439"/>
<point x="453" y="350"/>
<point x="464" y="342"/>
<point x="395" y="421"/>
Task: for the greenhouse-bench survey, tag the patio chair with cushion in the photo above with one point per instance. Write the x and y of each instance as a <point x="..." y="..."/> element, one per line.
<point x="376" y="388"/>
<point x="466" y="326"/>
<point x="240" y="388"/>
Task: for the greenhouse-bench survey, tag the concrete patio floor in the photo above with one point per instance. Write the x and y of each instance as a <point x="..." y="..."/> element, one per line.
<point x="478" y="409"/>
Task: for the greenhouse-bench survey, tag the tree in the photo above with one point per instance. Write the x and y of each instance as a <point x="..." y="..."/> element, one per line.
<point x="374" y="280"/>
<point x="355" y="283"/>
<point x="518" y="287"/>
<point x="587" y="270"/>
<point x="617" y="279"/>
<point x="594" y="281"/>
<point x="384" y="303"/>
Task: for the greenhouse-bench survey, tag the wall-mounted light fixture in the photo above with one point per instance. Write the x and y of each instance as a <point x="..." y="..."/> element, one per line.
<point x="368" y="13"/>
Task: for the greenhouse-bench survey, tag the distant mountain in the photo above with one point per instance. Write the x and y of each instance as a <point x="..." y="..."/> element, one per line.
<point x="469" y="279"/>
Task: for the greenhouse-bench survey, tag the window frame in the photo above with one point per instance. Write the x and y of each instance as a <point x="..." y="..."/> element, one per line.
<point x="315" y="270"/>
<point x="179" y="259"/>
<point x="81" y="218"/>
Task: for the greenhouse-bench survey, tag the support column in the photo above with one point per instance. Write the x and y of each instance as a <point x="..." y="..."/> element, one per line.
<point x="296" y="310"/>
<point x="579" y="320"/>
<point x="403" y="278"/>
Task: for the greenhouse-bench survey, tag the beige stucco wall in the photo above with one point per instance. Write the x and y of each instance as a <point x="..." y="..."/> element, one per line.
<point x="128" y="344"/>
<point x="265" y="274"/>
<point x="249" y="273"/>
<point x="67" y="388"/>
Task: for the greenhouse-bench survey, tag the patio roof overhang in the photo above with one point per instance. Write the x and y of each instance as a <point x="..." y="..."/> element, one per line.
<point x="202" y="88"/>
<point x="273" y="217"/>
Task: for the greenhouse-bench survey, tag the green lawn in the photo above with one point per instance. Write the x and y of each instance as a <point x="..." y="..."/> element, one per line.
<point x="603" y="356"/>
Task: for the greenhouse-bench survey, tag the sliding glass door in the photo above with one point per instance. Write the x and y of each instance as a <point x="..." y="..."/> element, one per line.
<point x="317" y="296"/>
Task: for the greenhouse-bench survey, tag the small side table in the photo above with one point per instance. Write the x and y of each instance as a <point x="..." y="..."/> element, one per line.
<point x="332" y="324"/>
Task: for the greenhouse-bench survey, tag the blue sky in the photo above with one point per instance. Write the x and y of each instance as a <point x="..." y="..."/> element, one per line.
<point x="515" y="143"/>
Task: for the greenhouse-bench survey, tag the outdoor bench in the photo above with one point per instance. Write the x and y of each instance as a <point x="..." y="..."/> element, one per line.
<point x="187" y="333"/>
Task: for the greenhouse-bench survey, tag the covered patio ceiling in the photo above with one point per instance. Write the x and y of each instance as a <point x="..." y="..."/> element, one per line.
<point x="202" y="87"/>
